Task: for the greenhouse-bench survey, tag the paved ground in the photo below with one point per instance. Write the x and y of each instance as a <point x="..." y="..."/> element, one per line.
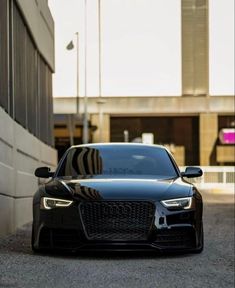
<point x="19" y="267"/>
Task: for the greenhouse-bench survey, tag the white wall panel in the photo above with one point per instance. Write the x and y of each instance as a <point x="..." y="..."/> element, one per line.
<point x="221" y="43"/>
<point x="26" y="142"/>
<point x="26" y="185"/>
<point x="7" y="156"/>
<point x="6" y="128"/>
<point x="25" y="163"/>
<point x="48" y="155"/>
<point x="23" y="211"/>
<point x="6" y="215"/>
<point x="20" y="154"/>
<point x="6" y="180"/>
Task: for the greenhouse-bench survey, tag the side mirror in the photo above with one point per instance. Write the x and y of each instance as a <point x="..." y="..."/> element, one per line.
<point x="43" y="172"/>
<point x="192" y="172"/>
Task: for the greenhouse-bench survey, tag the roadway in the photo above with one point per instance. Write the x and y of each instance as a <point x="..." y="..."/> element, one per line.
<point x="214" y="267"/>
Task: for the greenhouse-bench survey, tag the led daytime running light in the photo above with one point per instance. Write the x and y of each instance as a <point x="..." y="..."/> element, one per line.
<point x="184" y="203"/>
<point x="55" y="203"/>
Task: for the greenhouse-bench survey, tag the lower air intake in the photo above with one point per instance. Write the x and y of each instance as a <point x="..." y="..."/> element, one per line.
<point x="176" y="237"/>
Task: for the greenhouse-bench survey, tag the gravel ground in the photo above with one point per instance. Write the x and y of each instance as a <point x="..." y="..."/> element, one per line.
<point x="214" y="267"/>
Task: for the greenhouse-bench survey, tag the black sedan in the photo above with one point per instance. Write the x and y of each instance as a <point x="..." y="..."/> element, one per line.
<point x="117" y="197"/>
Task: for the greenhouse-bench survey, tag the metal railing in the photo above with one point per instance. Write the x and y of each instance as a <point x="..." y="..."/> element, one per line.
<point x="215" y="177"/>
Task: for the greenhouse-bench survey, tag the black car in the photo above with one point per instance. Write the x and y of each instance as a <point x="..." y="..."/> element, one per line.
<point x="117" y="197"/>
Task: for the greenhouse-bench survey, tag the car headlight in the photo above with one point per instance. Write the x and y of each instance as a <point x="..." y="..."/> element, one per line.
<point x="50" y="203"/>
<point x="180" y="203"/>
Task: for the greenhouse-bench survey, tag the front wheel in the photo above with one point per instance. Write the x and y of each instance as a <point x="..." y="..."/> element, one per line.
<point x="34" y="249"/>
<point x="201" y="247"/>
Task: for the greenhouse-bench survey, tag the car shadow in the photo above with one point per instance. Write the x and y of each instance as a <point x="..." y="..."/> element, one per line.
<point x="15" y="244"/>
<point x="112" y="255"/>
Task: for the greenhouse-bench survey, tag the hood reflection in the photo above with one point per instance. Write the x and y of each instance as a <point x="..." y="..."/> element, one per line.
<point x="84" y="192"/>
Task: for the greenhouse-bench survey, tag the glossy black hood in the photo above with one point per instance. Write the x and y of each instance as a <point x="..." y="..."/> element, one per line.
<point x="119" y="188"/>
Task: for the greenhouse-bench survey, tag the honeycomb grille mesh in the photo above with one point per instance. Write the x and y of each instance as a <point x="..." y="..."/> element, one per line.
<point x="117" y="220"/>
<point x="178" y="237"/>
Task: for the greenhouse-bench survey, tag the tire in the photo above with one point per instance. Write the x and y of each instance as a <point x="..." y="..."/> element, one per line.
<point x="34" y="249"/>
<point x="200" y="249"/>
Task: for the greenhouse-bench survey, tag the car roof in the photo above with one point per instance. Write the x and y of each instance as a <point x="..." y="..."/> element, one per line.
<point x="120" y="144"/>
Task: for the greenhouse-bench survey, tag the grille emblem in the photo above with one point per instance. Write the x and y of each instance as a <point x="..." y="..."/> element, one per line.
<point x="117" y="209"/>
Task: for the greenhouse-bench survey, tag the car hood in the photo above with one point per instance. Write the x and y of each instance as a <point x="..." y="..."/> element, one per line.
<point x="119" y="188"/>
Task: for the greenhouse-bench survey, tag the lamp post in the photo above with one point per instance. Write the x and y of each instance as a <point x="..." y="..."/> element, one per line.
<point x="99" y="39"/>
<point x="77" y="98"/>
<point x="100" y="100"/>
<point x="85" y="136"/>
<point x="70" y="46"/>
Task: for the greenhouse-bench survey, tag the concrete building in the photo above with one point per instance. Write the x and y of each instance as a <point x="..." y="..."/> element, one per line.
<point x="26" y="122"/>
<point x="190" y="123"/>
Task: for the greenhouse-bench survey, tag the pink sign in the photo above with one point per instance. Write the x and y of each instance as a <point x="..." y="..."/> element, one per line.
<point x="227" y="136"/>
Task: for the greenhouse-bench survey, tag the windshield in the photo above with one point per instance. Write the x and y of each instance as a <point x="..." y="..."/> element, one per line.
<point x="117" y="160"/>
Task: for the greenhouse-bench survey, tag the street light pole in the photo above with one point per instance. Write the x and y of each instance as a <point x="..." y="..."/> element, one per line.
<point x="100" y="100"/>
<point x="77" y="98"/>
<point x="71" y="118"/>
<point x="99" y="39"/>
<point x="85" y="137"/>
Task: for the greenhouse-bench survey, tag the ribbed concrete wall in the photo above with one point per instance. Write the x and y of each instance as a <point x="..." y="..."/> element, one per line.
<point x="20" y="154"/>
<point x="41" y="25"/>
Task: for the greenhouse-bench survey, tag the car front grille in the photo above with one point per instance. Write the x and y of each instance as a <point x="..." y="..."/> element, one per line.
<point x="117" y="220"/>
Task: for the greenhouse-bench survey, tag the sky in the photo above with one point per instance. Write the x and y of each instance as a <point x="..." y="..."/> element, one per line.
<point x="140" y="47"/>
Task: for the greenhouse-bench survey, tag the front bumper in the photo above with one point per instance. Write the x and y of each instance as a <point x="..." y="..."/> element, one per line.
<point x="63" y="228"/>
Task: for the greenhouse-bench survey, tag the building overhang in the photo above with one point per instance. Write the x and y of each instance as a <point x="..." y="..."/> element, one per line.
<point x="148" y="106"/>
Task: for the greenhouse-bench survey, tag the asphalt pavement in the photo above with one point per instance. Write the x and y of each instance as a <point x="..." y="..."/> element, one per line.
<point x="214" y="267"/>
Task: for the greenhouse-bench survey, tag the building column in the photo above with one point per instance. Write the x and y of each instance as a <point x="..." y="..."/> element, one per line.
<point x="194" y="47"/>
<point x="208" y="130"/>
<point x="105" y="131"/>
